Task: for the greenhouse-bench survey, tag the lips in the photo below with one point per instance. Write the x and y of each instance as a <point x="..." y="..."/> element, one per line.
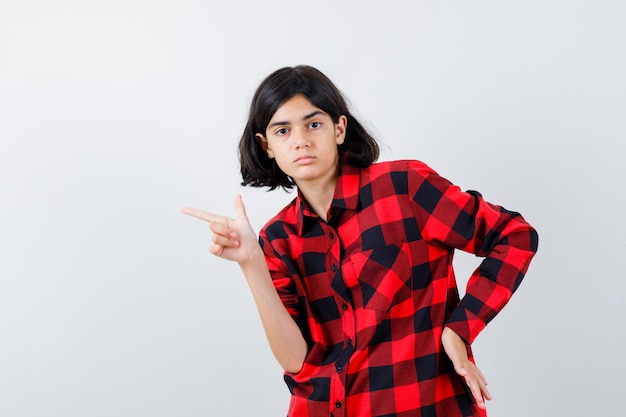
<point x="304" y="159"/>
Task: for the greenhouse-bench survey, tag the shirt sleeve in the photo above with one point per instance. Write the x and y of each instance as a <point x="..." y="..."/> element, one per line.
<point x="464" y="220"/>
<point x="282" y="273"/>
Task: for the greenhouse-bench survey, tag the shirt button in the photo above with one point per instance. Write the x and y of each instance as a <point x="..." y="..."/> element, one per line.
<point x="334" y="268"/>
<point x="331" y="235"/>
<point x="338" y="404"/>
<point x="344" y="306"/>
<point x="339" y="369"/>
<point x="349" y="341"/>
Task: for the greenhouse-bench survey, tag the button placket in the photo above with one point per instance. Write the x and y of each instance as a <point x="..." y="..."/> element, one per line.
<point x="338" y="380"/>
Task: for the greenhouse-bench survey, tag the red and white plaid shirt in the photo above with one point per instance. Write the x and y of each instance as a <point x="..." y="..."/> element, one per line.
<point x="373" y="287"/>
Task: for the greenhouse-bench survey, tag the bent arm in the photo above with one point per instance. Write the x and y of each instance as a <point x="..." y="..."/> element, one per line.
<point x="235" y="240"/>
<point x="464" y="220"/>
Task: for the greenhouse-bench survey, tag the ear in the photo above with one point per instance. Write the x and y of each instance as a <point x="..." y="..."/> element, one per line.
<point x="263" y="141"/>
<point x="340" y="129"/>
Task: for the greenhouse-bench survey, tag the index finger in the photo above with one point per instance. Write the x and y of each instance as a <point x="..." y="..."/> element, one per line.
<point x="199" y="214"/>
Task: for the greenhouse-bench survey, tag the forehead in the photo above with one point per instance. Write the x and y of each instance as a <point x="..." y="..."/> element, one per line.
<point x="295" y="109"/>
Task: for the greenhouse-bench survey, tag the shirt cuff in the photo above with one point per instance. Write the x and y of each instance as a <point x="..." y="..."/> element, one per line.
<point x="466" y="324"/>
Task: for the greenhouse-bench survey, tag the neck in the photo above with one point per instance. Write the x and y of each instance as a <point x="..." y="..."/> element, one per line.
<point x="319" y="195"/>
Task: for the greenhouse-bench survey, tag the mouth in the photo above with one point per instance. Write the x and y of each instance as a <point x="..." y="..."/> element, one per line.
<point x="304" y="159"/>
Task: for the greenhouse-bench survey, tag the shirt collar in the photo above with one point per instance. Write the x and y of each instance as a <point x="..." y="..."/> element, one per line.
<point x="346" y="194"/>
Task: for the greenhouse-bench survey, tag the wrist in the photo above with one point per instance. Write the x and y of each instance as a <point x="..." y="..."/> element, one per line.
<point x="255" y="260"/>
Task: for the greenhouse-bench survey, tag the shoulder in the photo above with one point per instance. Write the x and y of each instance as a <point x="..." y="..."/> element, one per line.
<point x="398" y="171"/>
<point x="389" y="178"/>
<point x="398" y="165"/>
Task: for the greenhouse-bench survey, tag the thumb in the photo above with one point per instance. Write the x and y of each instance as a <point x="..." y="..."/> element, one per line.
<point x="240" y="209"/>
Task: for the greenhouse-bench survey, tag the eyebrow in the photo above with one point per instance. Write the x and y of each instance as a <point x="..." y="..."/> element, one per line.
<point x="308" y="116"/>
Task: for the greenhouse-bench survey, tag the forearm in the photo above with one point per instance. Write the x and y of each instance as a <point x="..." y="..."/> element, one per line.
<point x="282" y="332"/>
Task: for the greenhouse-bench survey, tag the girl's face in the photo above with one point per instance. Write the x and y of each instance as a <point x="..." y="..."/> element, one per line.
<point x="303" y="140"/>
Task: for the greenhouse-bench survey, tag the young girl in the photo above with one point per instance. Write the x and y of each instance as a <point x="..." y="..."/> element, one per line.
<point x="353" y="279"/>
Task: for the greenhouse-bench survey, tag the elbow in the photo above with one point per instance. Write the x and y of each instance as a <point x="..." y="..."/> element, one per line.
<point x="534" y="239"/>
<point x="294" y="362"/>
<point x="293" y="367"/>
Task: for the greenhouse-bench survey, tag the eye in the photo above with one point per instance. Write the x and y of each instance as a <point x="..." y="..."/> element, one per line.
<point x="315" y="125"/>
<point x="282" y="131"/>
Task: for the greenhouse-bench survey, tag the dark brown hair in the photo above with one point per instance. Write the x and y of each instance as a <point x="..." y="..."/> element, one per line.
<point x="257" y="169"/>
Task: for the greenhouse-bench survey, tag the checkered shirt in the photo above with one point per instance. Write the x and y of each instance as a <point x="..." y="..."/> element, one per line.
<point x="372" y="288"/>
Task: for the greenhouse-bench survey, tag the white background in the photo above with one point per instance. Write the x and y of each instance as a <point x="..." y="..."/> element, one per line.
<point x="114" y="114"/>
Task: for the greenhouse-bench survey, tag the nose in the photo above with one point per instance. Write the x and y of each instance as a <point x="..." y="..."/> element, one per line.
<point x="300" y="138"/>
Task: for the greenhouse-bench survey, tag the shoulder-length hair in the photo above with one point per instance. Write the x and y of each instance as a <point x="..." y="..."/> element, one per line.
<point x="257" y="169"/>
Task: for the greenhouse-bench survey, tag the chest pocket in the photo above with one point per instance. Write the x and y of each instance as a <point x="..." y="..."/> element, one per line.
<point x="379" y="278"/>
